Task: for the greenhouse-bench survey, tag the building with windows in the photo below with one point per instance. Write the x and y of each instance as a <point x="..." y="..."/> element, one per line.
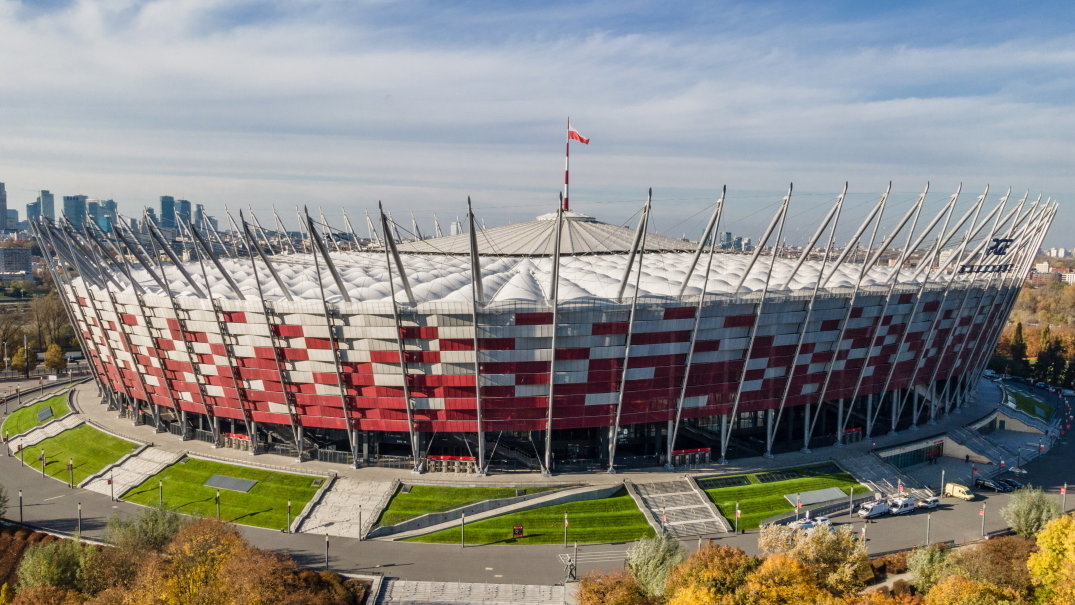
<point x="560" y="343"/>
<point x="75" y="209"/>
<point x="15" y="263"/>
<point x="47" y="203"/>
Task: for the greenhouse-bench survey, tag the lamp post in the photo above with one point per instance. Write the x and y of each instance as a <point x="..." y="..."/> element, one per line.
<point x="850" y="501"/>
<point x="80" y="519"/>
<point x="71" y="473"/>
<point x="326" y="550"/>
<point x="288" y="528"/>
<point x="565" y="529"/>
<point x="981" y="513"/>
<point x="942" y="482"/>
<point x="1064" y="498"/>
<point x="20" y="506"/>
<point x="462" y="531"/>
<point x="42" y="463"/>
<point x="217" y="500"/>
<point x="160" y="493"/>
<point x="928" y="516"/>
<point x="361" y="531"/>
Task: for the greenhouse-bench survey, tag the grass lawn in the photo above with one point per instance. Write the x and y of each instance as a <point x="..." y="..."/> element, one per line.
<point x="91" y="450"/>
<point x="265" y="505"/>
<point x="1030" y="405"/>
<point x="759" y="501"/>
<point x="614" y="519"/>
<point x="424" y="499"/>
<point x="25" y="418"/>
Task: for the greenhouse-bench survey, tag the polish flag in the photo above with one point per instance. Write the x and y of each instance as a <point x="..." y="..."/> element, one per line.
<point x="573" y="134"/>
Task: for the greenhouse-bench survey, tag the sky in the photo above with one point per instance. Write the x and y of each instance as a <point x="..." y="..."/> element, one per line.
<point x="342" y="104"/>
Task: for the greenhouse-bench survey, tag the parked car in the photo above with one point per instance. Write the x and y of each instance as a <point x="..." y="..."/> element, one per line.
<point x="876" y="508"/>
<point x="1018" y="471"/>
<point x="928" y="503"/>
<point x="1011" y="483"/>
<point x="983" y="483"/>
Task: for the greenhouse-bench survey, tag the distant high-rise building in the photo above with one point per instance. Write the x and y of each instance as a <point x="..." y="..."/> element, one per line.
<point x="167" y="217"/>
<point x="12" y="218"/>
<point x="3" y="208"/>
<point x="74" y="208"/>
<point x="726" y="240"/>
<point x="93" y="211"/>
<point x="106" y="215"/>
<point x="182" y="211"/>
<point x="33" y="210"/>
<point x="48" y="204"/>
<point x="199" y="214"/>
<point x="152" y="216"/>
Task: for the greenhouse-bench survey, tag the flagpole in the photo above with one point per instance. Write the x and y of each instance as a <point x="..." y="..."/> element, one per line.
<point x="567" y="164"/>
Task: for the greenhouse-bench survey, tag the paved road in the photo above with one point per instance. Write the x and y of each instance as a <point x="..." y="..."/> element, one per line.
<point x="50" y="504"/>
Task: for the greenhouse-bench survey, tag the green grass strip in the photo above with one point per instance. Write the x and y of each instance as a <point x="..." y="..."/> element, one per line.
<point x="613" y="519"/>
<point x="25" y="418"/>
<point x="425" y="499"/>
<point x="88" y="449"/>
<point x="1031" y="405"/>
<point x="759" y="501"/>
<point x="265" y="505"/>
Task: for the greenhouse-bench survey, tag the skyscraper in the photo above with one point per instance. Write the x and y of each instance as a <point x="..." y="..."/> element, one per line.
<point x="199" y="215"/>
<point x="74" y="208"/>
<point x="48" y="204"/>
<point x="182" y="211"/>
<point x="107" y="215"/>
<point x="33" y="210"/>
<point x="3" y="208"/>
<point x="167" y="217"/>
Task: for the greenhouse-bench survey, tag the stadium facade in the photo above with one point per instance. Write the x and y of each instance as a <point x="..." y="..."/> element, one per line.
<point x="580" y="345"/>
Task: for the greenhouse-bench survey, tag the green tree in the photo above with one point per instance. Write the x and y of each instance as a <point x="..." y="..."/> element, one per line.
<point x="928" y="566"/>
<point x="55" y="360"/>
<point x="1017" y="351"/>
<point x="151" y="530"/>
<point x="20" y="362"/>
<point x="1029" y="510"/>
<point x="61" y="564"/>
<point x="650" y="560"/>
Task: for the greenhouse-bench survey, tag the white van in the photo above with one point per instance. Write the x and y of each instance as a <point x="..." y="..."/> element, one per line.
<point x="901" y="506"/>
<point x="869" y="510"/>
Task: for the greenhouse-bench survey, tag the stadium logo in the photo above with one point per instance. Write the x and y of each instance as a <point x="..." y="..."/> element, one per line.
<point x="999" y="246"/>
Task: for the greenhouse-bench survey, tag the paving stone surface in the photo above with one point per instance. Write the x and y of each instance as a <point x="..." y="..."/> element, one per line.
<point x="338" y="512"/>
<point x="133" y="471"/>
<point x="460" y="593"/>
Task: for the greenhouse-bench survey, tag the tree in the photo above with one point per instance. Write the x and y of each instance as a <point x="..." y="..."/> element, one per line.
<point x="55" y="360"/>
<point x="1029" y="510"/>
<point x="60" y="564"/>
<point x="616" y="588"/>
<point x="1000" y="561"/>
<point x="836" y="556"/>
<point x="928" y="565"/>
<point x="47" y="595"/>
<point x="780" y="580"/>
<point x="20" y="362"/>
<point x="715" y="570"/>
<point x="957" y="590"/>
<point x="151" y="530"/>
<point x="650" y="560"/>
<point x="5" y="594"/>
<point x="1052" y="567"/>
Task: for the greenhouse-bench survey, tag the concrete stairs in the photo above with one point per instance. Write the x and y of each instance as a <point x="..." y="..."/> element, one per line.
<point x="882" y="477"/>
<point x="338" y="513"/>
<point x="680" y="507"/>
<point x="43" y="432"/>
<point x="131" y="471"/>
<point x="465" y="593"/>
<point x="982" y="445"/>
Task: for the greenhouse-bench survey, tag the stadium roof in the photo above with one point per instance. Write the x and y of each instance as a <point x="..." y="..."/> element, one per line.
<point x="581" y="234"/>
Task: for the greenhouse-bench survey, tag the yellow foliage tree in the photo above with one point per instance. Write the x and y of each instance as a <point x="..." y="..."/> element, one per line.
<point x="780" y="580"/>
<point x="1052" y="567"/>
<point x="718" y="570"/>
<point x="958" y="590"/>
<point x="616" y="588"/>
<point x="836" y="557"/>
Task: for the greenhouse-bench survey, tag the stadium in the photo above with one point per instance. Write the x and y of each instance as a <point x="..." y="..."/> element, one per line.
<point x="558" y="344"/>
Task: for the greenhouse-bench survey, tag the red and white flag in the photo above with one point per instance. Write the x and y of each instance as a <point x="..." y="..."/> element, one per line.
<point x="573" y="135"/>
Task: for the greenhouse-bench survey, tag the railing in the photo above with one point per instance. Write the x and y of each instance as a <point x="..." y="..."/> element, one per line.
<point x="336" y="456"/>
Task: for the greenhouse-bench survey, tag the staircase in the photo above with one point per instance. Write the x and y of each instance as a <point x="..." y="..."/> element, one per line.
<point x="982" y="445"/>
<point x="681" y="508"/>
<point x="881" y="477"/>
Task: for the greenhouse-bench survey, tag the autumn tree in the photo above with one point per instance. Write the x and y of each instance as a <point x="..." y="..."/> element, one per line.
<point x="780" y="580"/>
<point x="47" y="595"/>
<point x="958" y="590"/>
<point x="650" y="559"/>
<point x="616" y="588"/>
<point x="713" y="570"/>
<point x="836" y="556"/>
<point x="1000" y="561"/>
<point x="1052" y="567"/>
<point x="20" y="362"/>
<point x="1029" y="510"/>
<point x="55" y="360"/>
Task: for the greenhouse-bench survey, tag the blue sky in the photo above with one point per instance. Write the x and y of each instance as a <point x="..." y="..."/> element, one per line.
<point x="341" y="104"/>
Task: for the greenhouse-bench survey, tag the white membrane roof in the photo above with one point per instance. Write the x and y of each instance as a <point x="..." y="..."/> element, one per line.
<point x="435" y="278"/>
<point x="580" y="234"/>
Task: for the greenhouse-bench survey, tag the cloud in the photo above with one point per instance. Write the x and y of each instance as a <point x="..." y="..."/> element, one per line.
<point x="341" y="104"/>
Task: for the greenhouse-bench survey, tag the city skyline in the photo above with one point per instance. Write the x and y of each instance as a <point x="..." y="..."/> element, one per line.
<point x="341" y="106"/>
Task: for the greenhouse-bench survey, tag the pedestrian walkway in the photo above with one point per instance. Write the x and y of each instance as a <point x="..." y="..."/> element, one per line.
<point x="132" y="471"/>
<point x="43" y="432"/>
<point x="463" y="593"/>
<point x="349" y="508"/>
<point x="680" y="508"/>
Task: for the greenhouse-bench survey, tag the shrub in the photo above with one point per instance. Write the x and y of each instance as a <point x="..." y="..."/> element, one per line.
<point x="61" y="564"/>
<point x="651" y="559"/>
<point x="929" y="565"/>
<point x="1029" y="510"/>
<point x="900" y="587"/>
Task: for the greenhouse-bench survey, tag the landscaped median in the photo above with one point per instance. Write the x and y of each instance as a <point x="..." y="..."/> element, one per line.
<point x="85" y="448"/>
<point x="761" y="495"/>
<point x="182" y="487"/>
<point x="612" y="519"/>
<point x="27" y="417"/>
